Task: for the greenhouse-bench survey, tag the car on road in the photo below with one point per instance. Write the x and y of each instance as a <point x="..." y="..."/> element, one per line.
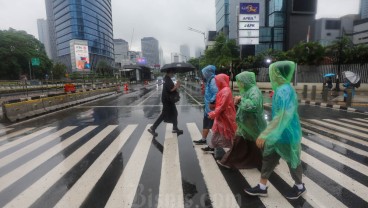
<point x="159" y="81"/>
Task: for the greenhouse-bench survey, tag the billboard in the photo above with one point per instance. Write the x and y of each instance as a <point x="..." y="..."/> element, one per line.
<point x="82" y="58"/>
<point x="249" y="8"/>
<point x="304" y="7"/>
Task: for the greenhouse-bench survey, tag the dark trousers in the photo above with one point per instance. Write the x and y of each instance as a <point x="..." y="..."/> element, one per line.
<point x="161" y="118"/>
<point x="169" y="114"/>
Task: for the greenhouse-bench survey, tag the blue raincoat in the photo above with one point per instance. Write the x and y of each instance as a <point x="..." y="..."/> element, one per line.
<point x="211" y="88"/>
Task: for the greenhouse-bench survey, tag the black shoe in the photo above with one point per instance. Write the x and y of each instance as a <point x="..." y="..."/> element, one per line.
<point x="208" y="149"/>
<point x="150" y="130"/>
<point x="178" y="131"/>
<point x="200" y="142"/>
<point x="295" y="192"/>
<point x="256" y="191"/>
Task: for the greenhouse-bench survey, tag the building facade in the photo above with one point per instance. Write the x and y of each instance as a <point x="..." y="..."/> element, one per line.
<point x="327" y="30"/>
<point x="73" y="20"/>
<point x="222" y="17"/>
<point x="121" y="48"/>
<point x="150" y="50"/>
<point x="185" y="52"/>
<point x="360" y="31"/>
<point x="43" y="35"/>
<point x="363" y="9"/>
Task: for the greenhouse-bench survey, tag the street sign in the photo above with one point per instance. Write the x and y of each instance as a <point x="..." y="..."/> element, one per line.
<point x="249" y="8"/>
<point x="35" y="61"/>
<point x="249" y="25"/>
<point x="248" y="33"/>
<point x="248" y="18"/>
<point x="248" y="41"/>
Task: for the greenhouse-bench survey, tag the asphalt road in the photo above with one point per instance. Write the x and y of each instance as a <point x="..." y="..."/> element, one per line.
<point x="100" y="155"/>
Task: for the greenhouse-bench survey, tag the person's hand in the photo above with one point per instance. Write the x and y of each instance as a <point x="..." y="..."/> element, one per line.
<point x="237" y="100"/>
<point x="177" y="84"/>
<point x="260" y="143"/>
<point x="211" y="115"/>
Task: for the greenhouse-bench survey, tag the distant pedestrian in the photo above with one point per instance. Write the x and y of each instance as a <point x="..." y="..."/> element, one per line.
<point x="210" y="92"/>
<point x="250" y="121"/>
<point x="169" y="112"/>
<point x="224" y="126"/>
<point x="282" y="137"/>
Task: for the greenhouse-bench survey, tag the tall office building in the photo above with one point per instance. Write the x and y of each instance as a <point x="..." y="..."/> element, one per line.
<point x="222" y="17"/>
<point x="75" y="22"/>
<point x="121" y="48"/>
<point x="150" y="50"/>
<point x="363" y="9"/>
<point x="185" y="52"/>
<point x="43" y="35"/>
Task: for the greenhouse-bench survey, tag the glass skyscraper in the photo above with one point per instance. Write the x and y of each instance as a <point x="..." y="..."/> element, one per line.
<point x="222" y="17"/>
<point x="89" y="20"/>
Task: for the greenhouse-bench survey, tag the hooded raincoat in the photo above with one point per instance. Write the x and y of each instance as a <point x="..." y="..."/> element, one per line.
<point x="283" y="134"/>
<point x="211" y="88"/>
<point x="224" y="113"/>
<point x="249" y="116"/>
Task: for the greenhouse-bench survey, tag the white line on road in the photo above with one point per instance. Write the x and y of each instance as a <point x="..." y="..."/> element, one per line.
<point x="14" y="134"/>
<point x="80" y="190"/>
<point x="171" y="188"/>
<point x="363" y="120"/>
<point x="134" y="106"/>
<point x="32" y="193"/>
<point x="218" y="190"/>
<point x="153" y="92"/>
<point x="125" y="189"/>
<point x="24" y="169"/>
<point x="356" y="122"/>
<point x="193" y="98"/>
<point x="347" y="125"/>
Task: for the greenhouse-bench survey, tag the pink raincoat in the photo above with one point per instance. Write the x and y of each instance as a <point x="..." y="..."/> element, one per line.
<point x="224" y="113"/>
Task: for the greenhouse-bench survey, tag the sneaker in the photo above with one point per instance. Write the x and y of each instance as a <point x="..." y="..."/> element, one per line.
<point x="295" y="193"/>
<point x="178" y="131"/>
<point x="150" y="130"/>
<point x="256" y="191"/>
<point x="222" y="165"/>
<point x="200" y="142"/>
<point x="208" y="149"/>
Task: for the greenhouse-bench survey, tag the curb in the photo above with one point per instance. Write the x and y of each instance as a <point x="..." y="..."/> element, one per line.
<point x="327" y="105"/>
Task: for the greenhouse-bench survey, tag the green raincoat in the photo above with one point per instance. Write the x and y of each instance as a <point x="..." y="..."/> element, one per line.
<point x="283" y="134"/>
<point x="249" y="116"/>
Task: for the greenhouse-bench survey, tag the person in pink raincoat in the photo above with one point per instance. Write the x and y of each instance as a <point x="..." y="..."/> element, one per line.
<point x="224" y="126"/>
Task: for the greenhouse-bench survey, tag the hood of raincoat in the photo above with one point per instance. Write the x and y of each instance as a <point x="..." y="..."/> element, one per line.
<point x="245" y="81"/>
<point x="281" y="72"/>
<point x="208" y="72"/>
<point x="222" y="81"/>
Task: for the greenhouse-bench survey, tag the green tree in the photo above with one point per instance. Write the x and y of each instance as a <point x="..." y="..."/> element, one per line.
<point x="59" y="70"/>
<point x="16" y="50"/>
<point x="311" y="53"/>
<point x="104" y="69"/>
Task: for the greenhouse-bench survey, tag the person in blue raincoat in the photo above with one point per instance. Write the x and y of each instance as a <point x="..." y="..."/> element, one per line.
<point x="209" y="100"/>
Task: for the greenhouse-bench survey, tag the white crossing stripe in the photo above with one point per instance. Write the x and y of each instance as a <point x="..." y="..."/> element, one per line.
<point x="171" y="188"/>
<point x="24" y="169"/>
<point x="347" y="125"/>
<point x="315" y="195"/>
<point x="80" y="190"/>
<point x="362" y="120"/>
<point x="335" y="142"/>
<point x="125" y="189"/>
<point x="218" y="190"/>
<point x="342" y="135"/>
<point x="32" y="193"/>
<point x="275" y="198"/>
<point x="346" y="130"/>
<point x="336" y="156"/>
<point x="25" y="138"/>
<point x="14" y="134"/>
<point x="337" y="176"/>
<point x="31" y="147"/>
<point x="356" y="122"/>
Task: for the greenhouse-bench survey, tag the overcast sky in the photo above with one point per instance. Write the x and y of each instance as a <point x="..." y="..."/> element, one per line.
<point x="166" y="20"/>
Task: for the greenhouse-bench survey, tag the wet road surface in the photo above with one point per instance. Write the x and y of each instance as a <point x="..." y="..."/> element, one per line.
<point x="100" y="155"/>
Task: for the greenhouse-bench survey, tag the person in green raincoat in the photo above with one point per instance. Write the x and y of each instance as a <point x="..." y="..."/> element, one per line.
<point x="282" y="137"/>
<point x="250" y="121"/>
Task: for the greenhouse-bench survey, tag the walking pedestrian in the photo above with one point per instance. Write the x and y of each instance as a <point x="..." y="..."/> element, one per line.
<point x="282" y="137"/>
<point x="250" y="121"/>
<point x="224" y="126"/>
<point x="210" y="92"/>
<point x="169" y="112"/>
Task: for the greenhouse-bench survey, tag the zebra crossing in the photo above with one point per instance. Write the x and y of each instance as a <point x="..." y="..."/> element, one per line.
<point x="38" y="166"/>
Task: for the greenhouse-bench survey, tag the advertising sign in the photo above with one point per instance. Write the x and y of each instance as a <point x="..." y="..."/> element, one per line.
<point x="249" y="25"/>
<point x="35" y="61"/>
<point x="82" y="58"/>
<point x="248" y="41"/>
<point x="248" y="33"/>
<point x="249" y="8"/>
<point x="248" y="18"/>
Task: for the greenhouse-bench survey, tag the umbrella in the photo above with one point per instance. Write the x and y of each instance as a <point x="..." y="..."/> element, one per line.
<point x="351" y="76"/>
<point x="329" y="75"/>
<point x="178" y="67"/>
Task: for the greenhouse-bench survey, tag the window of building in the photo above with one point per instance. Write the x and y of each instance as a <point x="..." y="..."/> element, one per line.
<point x="333" y="24"/>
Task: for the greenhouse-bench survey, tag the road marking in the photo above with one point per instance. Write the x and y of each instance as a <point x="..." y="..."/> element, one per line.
<point x="275" y="199"/>
<point x="125" y="189"/>
<point x="336" y="156"/>
<point x="335" y="175"/>
<point x="24" y="169"/>
<point x="315" y="195"/>
<point x="130" y="106"/>
<point x="80" y="190"/>
<point x="171" y="188"/>
<point x="341" y="135"/>
<point x="347" y="125"/>
<point x="153" y="92"/>
<point x="25" y="138"/>
<point x="342" y="144"/>
<point x="363" y="120"/>
<point x="193" y="98"/>
<point x="218" y="190"/>
<point x="356" y="122"/>
<point x="14" y="134"/>
<point x="32" y="193"/>
<point x="349" y="131"/>
<point x="31" y="147"/>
